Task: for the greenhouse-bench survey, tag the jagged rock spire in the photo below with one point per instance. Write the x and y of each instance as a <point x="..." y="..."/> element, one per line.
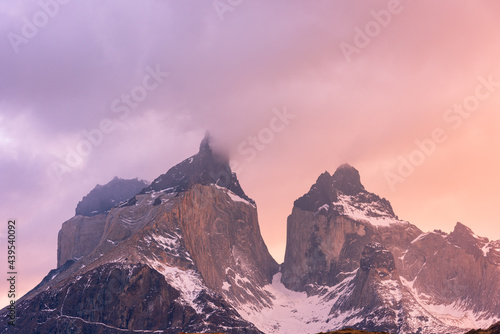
<point x="206" y="167"/>
<point x="346" y="179"/>
<point x="321" y="193"/>
<point x="205" y="143"/>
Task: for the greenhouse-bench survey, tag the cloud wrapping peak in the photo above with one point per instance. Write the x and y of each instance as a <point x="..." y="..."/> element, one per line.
<point x="84" y="83"/>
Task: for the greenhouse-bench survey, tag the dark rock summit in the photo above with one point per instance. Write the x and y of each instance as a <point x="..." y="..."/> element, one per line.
<point x="206" y="167"/>
<point x="346" y="179"/>
<point x="321" y="193"/>
<point x="102" y="198"/>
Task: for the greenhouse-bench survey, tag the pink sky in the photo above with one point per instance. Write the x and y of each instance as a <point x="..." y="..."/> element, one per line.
<point x="230" y="76"/>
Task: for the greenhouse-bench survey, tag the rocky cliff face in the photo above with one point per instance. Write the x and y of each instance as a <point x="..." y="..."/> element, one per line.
<point x="330" y="226"/>
<point x="346" y="247"/>
<point x="375" y="284"/>
<point x="82" y="233"/>
<point x="186" y="255"/>
<point x="78" y="237"/>
<point x="174" y="259"/>
<point x="455" y="269"/>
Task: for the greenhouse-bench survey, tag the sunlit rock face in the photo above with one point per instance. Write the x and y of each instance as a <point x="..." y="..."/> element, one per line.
<point x="177" y="256"/>
<point x="346" y="247"/>
<point x="185" y="254"/>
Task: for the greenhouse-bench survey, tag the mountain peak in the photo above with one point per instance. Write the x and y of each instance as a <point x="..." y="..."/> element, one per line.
<point x="463" y="237"/>
<point x="461" y="228"/>
<point x="205" y="143"/>
<point x="346" y="179"/>
<point x="206" y="167"/>
<point x="462" y="231"/>
<point x="103" y="197"/>
<point x="322" y="192"/>
<point x="346" y="166"/>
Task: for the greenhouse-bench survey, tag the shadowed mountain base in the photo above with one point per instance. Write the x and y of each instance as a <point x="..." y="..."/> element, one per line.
<point x="495" y="329"/>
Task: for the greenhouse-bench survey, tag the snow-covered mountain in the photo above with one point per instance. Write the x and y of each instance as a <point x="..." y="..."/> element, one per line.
<point x="175" y="257"/>
<point x="185" y="254"/>
<point x="374" y="271"/>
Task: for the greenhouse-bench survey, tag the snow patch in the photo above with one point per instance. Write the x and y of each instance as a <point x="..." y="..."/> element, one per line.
<point x="296" y="312"/>
<point x="188" y="282"/>
<point x="323" y="207"/>
<point x="240" y="280"/>
<point x="233" y="196"/>
<point x="420" y="237"/>
<point x="486" y="248"/>
<point x="366" y="212"/>
<point x="453" y="314"/>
